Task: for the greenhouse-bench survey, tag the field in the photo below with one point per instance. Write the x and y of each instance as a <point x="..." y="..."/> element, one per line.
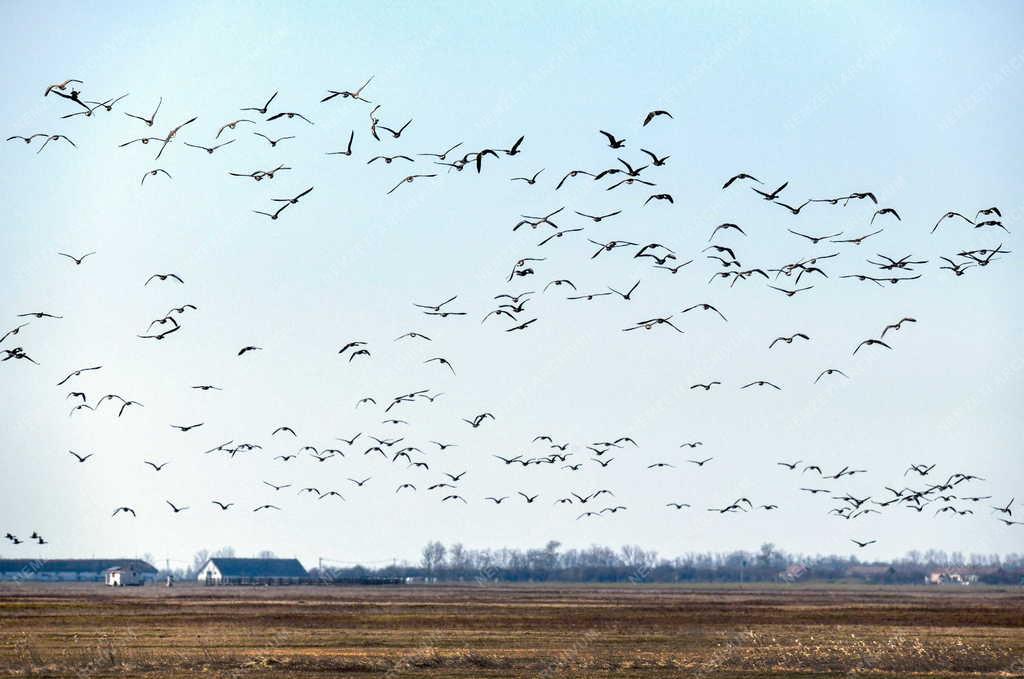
<point x="510" y="631"/>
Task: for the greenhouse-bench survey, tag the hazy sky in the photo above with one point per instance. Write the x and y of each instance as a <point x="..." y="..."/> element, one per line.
<point x="918" y="103"/>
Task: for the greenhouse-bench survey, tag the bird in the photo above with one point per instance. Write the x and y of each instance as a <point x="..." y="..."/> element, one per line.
<point x="210" y="149"/>
<point x="55" y="137"/>
<point x="344" y="94"/>
<point x="395" y="133"/>
<point x="164" y="277"/>
<point x="12" y="332"/>
<point x="80" y="458"/>
<point x="814" y="239"/>
<point x="39" y="314"/>
<point x="529" y="180"/>
<point x="436" y="307"/>
<point x="76" y="373"/>
<point x="153" y="173"/>
<point x="273" y="142"/>
<point x="625" y="296"/>
<point x="701" y="463"/>
<point x="705" y="307"/>
<point x="705" y="387"/>
<point x="76" y="260"/>
<point x="789" y="339"/>
<point x="152" y="116"/>
<point x="656" y="161"/>
<point x="275" y="214"/>
<point x="172" y="134"/>
<point x="409" y="179"/>
<point x="348" y="149"/>
<point x="871" y="343"/>
<point x="859" y="239"/>
<point x="61" y="86"/>
<point x="660" y="196"/>
<point x="174" y="508"/>
<point x="897" y="325"/>
<point x="885" y="211"/>
<point x="951" y="215"/>
<point x="739" y="177"/>
<point x="262" y="110"/>
<point x="126" y="510"/>
<point x="863" y="544"/>
<point x="247" y="349"/>
<point x="223" y="505"/>
<point x="830" y="371"/>
<point x="292" y="201"/>
<point x="28" y="139"/>
<point x="286" y="430"/>
<point x="289" y="115"/>
<point x="654" y="114"/>
<point x="790" y="293"/>
<point x="773" y="194"/>
<point x="442" y="361"/>
<point x="762" y="383"/>
<point x="725" y="227"/>
<point x="612" y="141"/>
<point x="156" y="467"/>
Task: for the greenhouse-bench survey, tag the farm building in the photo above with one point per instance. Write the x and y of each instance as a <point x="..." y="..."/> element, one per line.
<point x="128" y="575"/>
<point x="70" y="570"/>
<point x="794" y="573"/>
<point x="232" y="571"/>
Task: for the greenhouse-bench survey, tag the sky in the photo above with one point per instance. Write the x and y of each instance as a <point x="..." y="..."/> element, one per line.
<point x="917" y="102"/>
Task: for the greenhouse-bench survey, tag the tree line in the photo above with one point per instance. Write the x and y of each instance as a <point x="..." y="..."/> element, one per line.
<point x="634" y="564"/>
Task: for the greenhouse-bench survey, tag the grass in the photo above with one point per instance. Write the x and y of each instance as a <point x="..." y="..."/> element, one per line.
<point x="510" y="631"/>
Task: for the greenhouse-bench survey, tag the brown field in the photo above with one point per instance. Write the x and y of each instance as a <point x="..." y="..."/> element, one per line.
<point x="510" y="631"/>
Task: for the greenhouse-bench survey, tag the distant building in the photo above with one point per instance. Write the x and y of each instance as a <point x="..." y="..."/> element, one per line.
<point x="794" y="573"/>
<point x="70" y="570"/>
<point x="128" y="575"/>
<point x="956" y="576"/>
<point x="232" y="571"/>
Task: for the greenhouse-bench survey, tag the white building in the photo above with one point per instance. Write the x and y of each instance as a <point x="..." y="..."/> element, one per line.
<point x="232" y="571"/>
<point x="128" y="575"/>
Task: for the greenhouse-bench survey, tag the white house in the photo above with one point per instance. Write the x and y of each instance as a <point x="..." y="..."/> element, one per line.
<point x="128" y="575"/>
<point x="225" y="571"/>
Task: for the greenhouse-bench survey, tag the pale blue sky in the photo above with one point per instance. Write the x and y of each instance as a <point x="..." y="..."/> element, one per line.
<point x="918" y="103"/>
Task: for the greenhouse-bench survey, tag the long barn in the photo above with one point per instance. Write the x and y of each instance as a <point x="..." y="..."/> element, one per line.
<point x="233" y="571"/>
<point x="69" y="570"/>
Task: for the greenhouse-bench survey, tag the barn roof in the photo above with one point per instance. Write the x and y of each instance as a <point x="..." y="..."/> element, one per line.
<point x="29" y="566"/>
<point x="259" y="568"/>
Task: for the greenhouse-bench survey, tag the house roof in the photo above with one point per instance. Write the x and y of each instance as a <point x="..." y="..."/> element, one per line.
<point x="259" y="568"/>
<point x="32" y="566"/>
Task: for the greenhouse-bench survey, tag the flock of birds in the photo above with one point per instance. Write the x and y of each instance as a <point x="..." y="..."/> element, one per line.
<point x="922" y="489"/>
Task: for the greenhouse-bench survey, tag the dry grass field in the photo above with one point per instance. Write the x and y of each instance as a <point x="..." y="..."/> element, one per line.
<point x="510" y="631"/>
